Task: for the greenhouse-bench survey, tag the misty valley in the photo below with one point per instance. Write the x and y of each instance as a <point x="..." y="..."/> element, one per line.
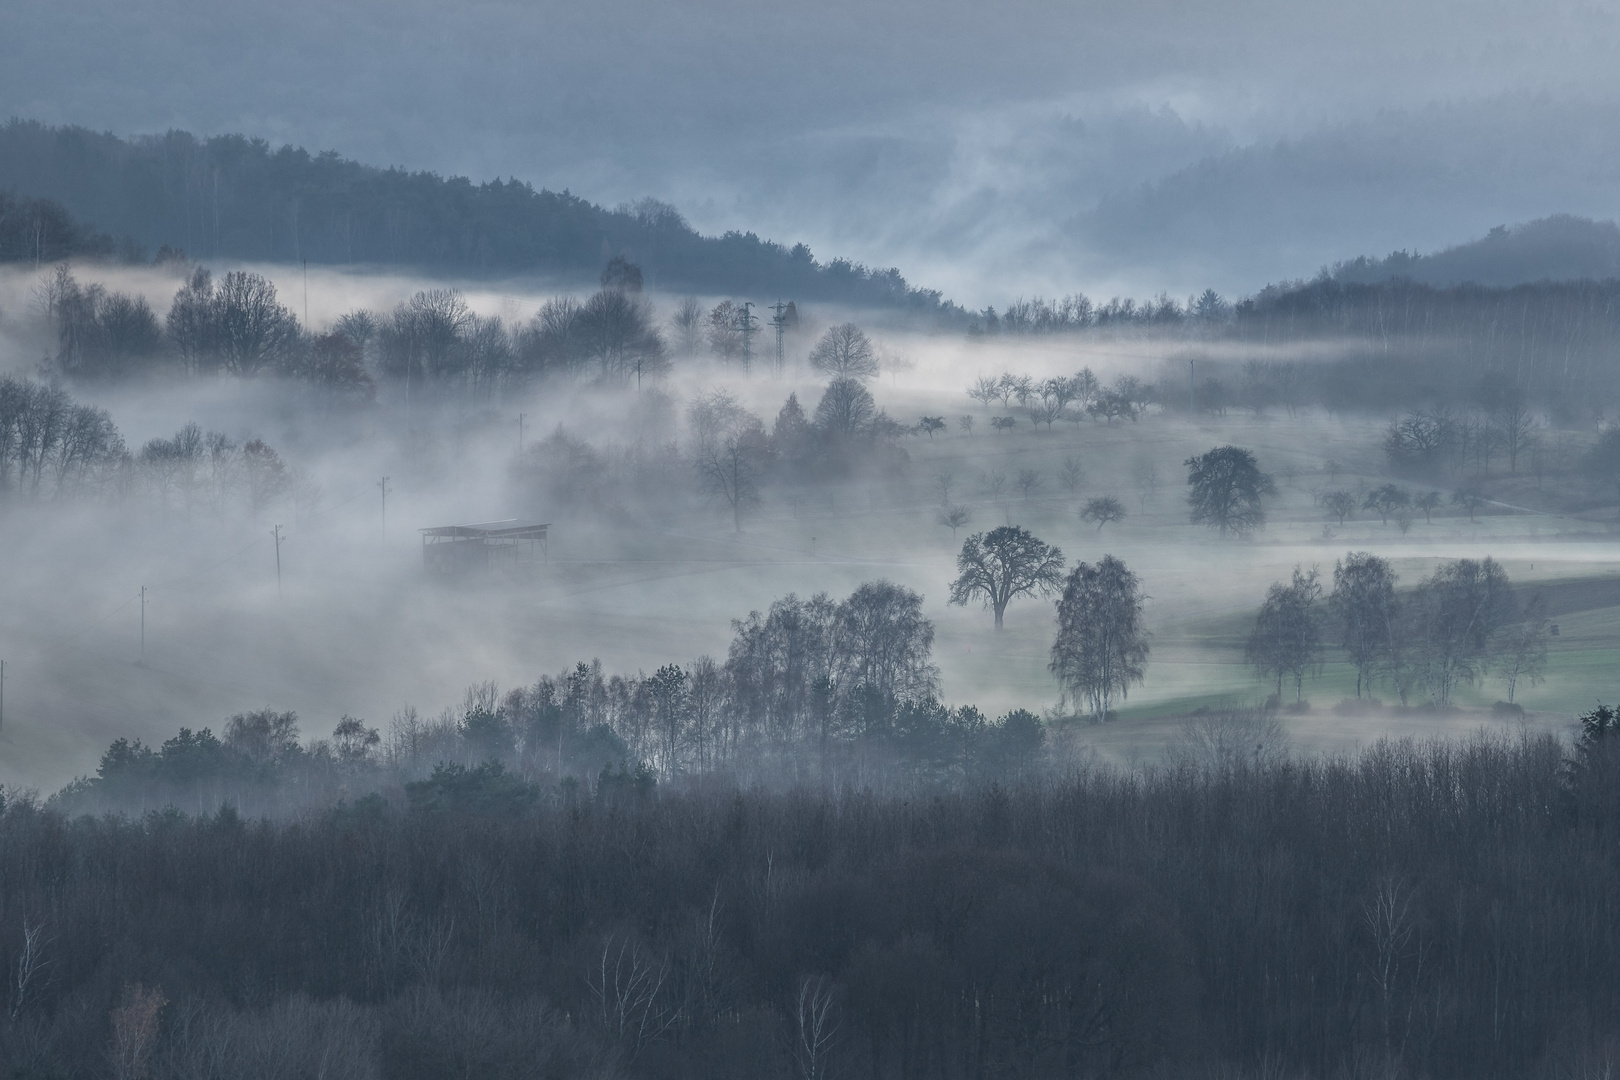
<point x="689" y="659"/>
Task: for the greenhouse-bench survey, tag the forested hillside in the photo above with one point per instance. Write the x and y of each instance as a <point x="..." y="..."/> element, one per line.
<point x="42" y="231"/>
<point x="239" y="198"/>
<point x="1441" y="911"/>
<point x="1558" y="248"/>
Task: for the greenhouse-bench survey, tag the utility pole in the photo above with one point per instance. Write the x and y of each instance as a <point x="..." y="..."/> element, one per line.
<point x="306" y="294"/>
<point x="383" y="485"/>
<point x="520" y="434"/>
<point x="143" y="625"/>
<point x="779" y="320"/>
<point x="276" y="532"/>
<point x="2" y="695"/>
<point x="1192" y="388"/>
<point x="745" y="323"/>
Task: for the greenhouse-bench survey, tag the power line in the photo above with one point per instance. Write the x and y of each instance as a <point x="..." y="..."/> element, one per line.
<point x="745" y="323"/>
<point x="779" y="320"/>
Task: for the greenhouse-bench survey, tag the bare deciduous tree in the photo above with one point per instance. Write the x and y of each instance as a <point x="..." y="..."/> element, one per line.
<point x="844" y="352"/>
<point x="1227" y="491"/>
<point x="815" y="1027"/>
<point x="1101" y="647"/>
<point x="730" y="449"/>
<point x="1363" y="604"/>
<point x="1340" y="504"/>
<point x="955" y="517"/>
<point x="1287" y="637"/>
<point x="1103" y="510"/>
<point x="1522" y="654"/>
<point x="1005" y="563"/>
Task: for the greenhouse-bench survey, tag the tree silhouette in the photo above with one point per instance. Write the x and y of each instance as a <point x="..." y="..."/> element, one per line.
<point x="1227" y="489"/>
<point x="1101" y="646"/>
<point x="1004" y="563"/>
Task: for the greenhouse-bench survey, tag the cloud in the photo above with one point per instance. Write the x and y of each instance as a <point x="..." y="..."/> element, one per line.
<point x="952" y="139"/>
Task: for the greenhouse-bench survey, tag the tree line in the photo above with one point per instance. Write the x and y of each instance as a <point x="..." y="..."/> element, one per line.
<point x="1462" y="623"/>
<point x="1072" y="398"/>
<point x="1396" y="343"/>
<point x="432" y="342"/>
<point x="53" y="447"/>
<point x="239" y="198"/>
<point x="1429" y="909"/>
<point x="41" y="231"/>
<point x="811" y="689"/>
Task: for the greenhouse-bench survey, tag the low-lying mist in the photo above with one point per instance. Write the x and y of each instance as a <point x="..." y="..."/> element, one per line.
<point x="312" y="597"/>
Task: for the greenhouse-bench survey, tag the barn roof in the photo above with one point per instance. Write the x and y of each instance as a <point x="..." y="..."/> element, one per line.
<point x="511" y="529"/>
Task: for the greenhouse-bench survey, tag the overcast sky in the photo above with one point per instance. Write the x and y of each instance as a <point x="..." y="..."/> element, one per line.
<point x="991" y="150"/>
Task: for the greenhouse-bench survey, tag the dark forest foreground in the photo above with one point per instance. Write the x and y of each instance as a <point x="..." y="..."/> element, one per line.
<point x="1435" y="910"/>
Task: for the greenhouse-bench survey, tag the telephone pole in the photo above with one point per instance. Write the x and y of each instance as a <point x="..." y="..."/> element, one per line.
<point x="143" y="625"/>
<point x="1192" y="388"/>
<point x="383" y="485"/>
<point x="276" y="532"/>
<point x="520" y="433"/>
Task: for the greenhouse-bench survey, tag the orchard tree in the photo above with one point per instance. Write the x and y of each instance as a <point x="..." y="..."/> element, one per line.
<point x="1103" y="510"/>
<point x="955" y="516"/>
<point x="1470" y="499"/>
<point x="1340" y="504"/>
<point x="1428" y="502"/>
<point x="1387" y="500"/>
<point x="1101" y="647"/>
<point x="1227" y="489"/>
<point x="1004" y="563"/>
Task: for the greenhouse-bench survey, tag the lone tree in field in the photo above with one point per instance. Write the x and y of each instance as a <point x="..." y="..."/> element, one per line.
<point x="1287" y="638"/>
<point x="1101" y="647"/>
<point x="955" y="516"/>
<point x="1364" y="607"/>
<point x="1102" y="510"/>
<point x="1227" y="488"/>
<point x="1003" y="563"/>
<point x="844" y="353"/>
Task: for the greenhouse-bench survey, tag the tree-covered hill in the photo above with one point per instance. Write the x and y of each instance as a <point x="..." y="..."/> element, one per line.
<point x="236" y="197"/>
<point x="1557" y="248"/>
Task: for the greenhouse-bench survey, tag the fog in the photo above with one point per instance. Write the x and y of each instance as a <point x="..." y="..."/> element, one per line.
<point x="650" y="575"/>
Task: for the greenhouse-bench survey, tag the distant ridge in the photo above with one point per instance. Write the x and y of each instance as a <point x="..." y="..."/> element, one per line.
<point x="1558" y="248"/>
<point x="230" y="196"/>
